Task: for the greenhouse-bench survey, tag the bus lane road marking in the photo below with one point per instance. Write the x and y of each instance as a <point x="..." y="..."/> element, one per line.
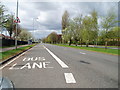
<point x="14" y="59"/>
<point x="30" y="63"/>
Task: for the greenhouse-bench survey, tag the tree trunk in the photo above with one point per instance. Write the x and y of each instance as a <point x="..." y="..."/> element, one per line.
<point x="10" y="35"/>
<point x="81" y="42"/>
<point x="87" y="43"/>
<point x="106" y="45"/>
<point x="76" y="43"/>
<point x="96" y="43"/>
<point x="70" y="42"/>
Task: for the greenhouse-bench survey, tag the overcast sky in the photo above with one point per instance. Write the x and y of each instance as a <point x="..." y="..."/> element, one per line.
<point x="47" y="15"/>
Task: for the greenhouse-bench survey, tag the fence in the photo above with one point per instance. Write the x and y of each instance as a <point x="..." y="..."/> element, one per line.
<point x="10" y="42"/>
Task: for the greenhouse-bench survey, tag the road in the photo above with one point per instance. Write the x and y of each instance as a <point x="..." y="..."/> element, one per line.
<point x="50" y="66"/>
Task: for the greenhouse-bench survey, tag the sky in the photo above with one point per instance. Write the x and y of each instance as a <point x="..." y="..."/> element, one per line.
<point x="47" y="16"/>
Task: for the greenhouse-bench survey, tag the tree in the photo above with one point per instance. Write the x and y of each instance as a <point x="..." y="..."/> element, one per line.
<point x="77" y="32"/>
<point x="2" y="16"/>
<point x="25" y="35"/>
<point x="9" y="25"/>
<point x="52" y="37"/>
<point x="2" y="10"/>
<point x="87" y="27"/>
<point x="69" y="32"/>
<point x="94" y="24"/>
<point x="107" y="23"/>
<point x="65" y="22"/>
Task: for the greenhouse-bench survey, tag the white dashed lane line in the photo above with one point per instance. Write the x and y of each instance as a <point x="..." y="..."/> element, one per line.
<point x="69" y="78"/>
<point x="56" y="58"/>
<point x="82" y="53"/>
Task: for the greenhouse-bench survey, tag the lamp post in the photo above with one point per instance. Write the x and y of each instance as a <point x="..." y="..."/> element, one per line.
<point x="34" y="28"/>
<point x="1" y="22"/>
<point x="16" y="27"/>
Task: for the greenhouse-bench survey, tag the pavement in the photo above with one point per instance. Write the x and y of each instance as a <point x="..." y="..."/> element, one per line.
<point x="51" y="66"/>
<point x="10" y="48"/>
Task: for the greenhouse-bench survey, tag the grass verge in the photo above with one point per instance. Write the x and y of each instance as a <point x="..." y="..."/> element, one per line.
<point x="102" y="50"/>
<point x="5" y="55"/>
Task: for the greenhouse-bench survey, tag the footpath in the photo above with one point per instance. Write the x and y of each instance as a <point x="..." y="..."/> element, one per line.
<point x="11" y="48"/>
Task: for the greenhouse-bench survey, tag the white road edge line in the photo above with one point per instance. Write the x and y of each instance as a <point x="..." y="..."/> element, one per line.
<point x="69" y="78"/>
<point x="57" y="59"/>
<point x="14" y="59"/>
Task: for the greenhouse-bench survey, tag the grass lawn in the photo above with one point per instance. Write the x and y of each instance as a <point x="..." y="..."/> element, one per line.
<point x="9" y="53"/>
<point x="102" y="50"/>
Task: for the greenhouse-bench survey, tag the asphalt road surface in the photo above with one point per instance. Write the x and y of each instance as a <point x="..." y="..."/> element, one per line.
<point x="50" y="66"/>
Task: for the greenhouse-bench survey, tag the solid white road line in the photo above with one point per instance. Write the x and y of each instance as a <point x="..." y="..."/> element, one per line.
<point x="57" y="59"/>
<point x="14" y="59"/>
<point x="69" y="78"/>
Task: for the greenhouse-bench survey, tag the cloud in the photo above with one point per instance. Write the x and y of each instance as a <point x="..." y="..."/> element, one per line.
<point x="41" y="33"/>
<point x="49" y="14"/>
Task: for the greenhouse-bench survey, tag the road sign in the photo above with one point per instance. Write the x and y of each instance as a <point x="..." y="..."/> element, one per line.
<point x="17" y="20"/>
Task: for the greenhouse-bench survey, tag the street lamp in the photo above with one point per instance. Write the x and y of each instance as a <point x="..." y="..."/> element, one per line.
<point x="33" y="28"/>
<point x="1" y="23"/>
<point x="16" y="26"/>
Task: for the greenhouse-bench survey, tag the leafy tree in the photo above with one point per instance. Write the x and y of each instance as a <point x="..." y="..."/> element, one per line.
<point x="9" y="25"/>
<point x="77" y="32"/>
<point x="52" y="38"/>
<point x="69" y="32"/>
<point x="94" y="23"/>
<point x="87" y="27"/>
<point x="25" y="35"/>
<point x="107" y="23"/>
<point x="2" y="9"/>
<point x="2" y="16"/>
<point x="65" y="20"/>
<point x="65" y="23"/>
<point x="114" y="33"/>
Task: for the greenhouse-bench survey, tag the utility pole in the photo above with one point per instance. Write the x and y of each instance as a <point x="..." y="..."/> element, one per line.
<point x="12" y="21"/>
<point x="33" y="30"/>
<point x="1" y="23"/>
<point x="16" y="26"/>
<point x="34" y="27"/>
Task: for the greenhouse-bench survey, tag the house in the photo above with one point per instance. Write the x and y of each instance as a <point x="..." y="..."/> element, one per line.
<point x="2" y="36"/>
